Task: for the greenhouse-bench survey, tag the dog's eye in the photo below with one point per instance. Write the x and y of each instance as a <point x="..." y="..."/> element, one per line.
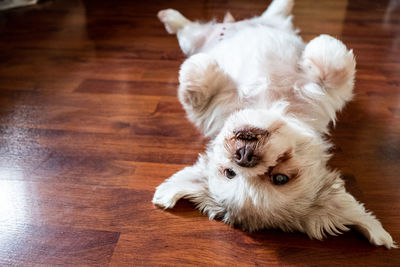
<point x="229" y="173"/>
<point x="280" y="179"/>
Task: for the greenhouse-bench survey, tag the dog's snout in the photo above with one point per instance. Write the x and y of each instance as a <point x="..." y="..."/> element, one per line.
<point x="245" y="157"/>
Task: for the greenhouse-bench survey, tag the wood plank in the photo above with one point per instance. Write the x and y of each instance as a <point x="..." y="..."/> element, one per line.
<point x="127" y="87"/>
<point x="28" y="245"/>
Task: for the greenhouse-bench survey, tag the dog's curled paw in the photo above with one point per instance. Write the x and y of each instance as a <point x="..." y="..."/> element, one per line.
<point x="198" y="78"/>
<point x="166" y="195"/>
<point x="328" y="62"/>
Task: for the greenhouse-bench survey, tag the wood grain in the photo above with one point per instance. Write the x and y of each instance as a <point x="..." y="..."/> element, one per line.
<point x="26" y="245"/>
<point x="90" y="124"/>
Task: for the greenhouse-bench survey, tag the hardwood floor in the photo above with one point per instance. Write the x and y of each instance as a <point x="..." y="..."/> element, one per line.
<point x="90" y="124"/>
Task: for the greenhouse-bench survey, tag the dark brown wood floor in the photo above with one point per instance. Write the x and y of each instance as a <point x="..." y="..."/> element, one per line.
<point x="90" y="124"/>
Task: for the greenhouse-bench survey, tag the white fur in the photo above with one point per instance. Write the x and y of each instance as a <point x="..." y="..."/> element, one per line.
<point x="259" y="74"/>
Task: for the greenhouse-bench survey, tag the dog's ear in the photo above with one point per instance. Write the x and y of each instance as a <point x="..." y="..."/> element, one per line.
<point x="336" y="209"/>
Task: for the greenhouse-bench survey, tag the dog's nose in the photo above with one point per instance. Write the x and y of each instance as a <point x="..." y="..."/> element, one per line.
<point x="245" y="157"/>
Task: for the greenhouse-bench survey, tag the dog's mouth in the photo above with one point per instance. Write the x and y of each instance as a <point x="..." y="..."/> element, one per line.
<point x="249" y="134"/>
<point x="245" y="144"/>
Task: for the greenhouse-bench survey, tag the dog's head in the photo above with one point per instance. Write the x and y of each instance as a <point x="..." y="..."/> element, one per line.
<point x="267" y="169"/>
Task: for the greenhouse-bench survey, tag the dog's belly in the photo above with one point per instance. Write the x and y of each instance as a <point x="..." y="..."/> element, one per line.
<point x="258" y="57"/>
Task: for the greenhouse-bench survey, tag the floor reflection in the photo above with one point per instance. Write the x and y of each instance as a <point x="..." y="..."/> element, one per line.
<point x="13" y="197"/>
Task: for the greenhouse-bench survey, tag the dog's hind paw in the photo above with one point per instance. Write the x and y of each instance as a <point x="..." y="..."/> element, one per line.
<point x="172" y="19"/>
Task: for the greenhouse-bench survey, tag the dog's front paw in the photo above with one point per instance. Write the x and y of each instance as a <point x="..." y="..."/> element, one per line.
<point x="166" y="195"/>
<point x="327" y="61"/>
<point x="198" y="76"/>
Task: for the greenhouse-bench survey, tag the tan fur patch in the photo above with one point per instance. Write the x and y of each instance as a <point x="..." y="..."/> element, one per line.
<point x="284" y="165"/>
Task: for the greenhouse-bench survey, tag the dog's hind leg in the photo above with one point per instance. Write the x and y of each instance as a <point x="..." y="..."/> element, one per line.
<point x="191" y="35"/>
<point x="173" y="20"/>
<point x="281" y="8"/>
<point x="206" y="92"/>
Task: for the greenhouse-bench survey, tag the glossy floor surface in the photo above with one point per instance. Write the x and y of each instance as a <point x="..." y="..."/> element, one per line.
<point x="90" y="124"/>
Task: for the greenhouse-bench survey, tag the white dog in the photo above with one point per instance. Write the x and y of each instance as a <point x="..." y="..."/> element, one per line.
<point x="266" y="99"/>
